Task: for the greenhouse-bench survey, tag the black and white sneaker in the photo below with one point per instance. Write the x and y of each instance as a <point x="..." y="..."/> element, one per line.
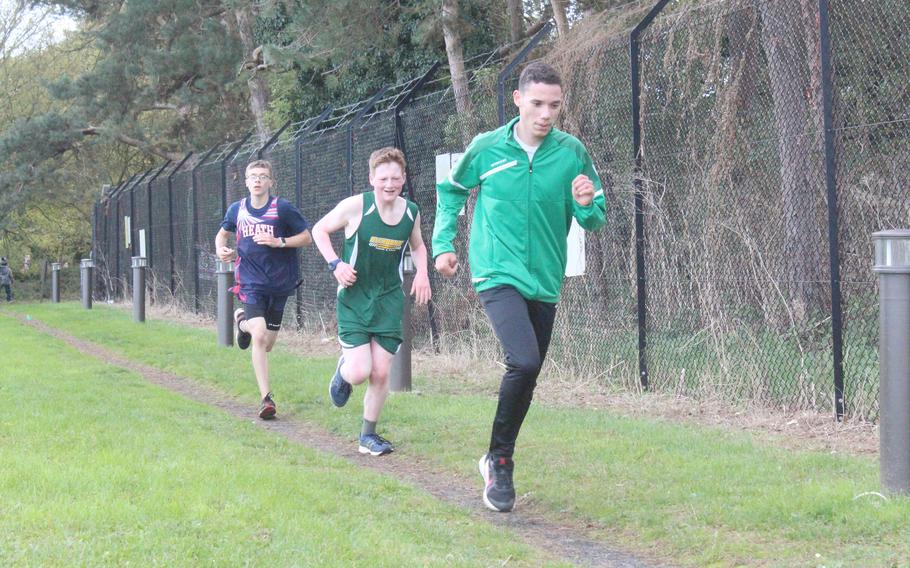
<point x="375" y="445"/>
<point x="243" y="337"/>
<point x="498" y="491"/>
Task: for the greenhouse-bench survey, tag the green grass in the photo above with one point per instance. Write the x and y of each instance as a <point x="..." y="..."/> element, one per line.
<point x="703" y="496"/>
<point x="102" y="468"/>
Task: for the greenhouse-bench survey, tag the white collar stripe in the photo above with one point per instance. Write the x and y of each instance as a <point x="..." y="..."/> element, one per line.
<point x="499" y="169"/>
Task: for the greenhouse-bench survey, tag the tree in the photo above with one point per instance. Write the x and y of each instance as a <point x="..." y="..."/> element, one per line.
<point x="49" y="176"/>
<point x="256" y="82"/>
<point x="797" y="116"/>
<point x="516" y="20"/>
<point x="455" y="54"/>
<point x="559" y="14"/>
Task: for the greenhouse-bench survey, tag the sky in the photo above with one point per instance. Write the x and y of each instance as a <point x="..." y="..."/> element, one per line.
<point x="25" y="29"/>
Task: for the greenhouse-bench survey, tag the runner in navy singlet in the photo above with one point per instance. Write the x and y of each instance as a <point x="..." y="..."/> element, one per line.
<point x="267" y="230"/>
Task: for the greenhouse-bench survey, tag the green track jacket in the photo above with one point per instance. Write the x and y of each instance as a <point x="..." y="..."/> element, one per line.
<point x="523" y="212"/>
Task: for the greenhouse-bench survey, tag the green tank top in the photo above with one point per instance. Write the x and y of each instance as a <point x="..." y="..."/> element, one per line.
<point x="376" y="251"/>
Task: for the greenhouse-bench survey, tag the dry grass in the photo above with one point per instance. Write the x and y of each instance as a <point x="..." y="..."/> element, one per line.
<point x="448" y="374"/>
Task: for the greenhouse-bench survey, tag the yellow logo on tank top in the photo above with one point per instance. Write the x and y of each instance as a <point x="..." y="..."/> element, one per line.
<point x="385" y="244"/>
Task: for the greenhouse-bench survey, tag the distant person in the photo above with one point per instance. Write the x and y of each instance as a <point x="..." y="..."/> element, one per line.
<point x="533" y="180"/>
<point x="6" y="279"/>
<point x="267" y="230"/>
<point x="26" y="263"/>
<point x="379" y="227"/>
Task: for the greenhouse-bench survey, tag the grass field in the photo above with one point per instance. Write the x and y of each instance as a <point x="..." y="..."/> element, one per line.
<point x="697" y="495"/>
<point x="102" y="468"/>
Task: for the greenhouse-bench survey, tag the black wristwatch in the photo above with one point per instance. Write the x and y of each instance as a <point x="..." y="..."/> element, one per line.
<point x="334" y="264"/>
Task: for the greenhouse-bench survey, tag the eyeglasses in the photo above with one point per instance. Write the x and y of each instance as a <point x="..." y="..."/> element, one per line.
<point x="259" y="177"/>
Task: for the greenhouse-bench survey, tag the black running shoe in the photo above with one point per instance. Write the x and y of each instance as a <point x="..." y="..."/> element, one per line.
<point x="267" y="408"/>
<point x="339" y="389"/>
<point x="498" y="491"/>
<point x="243" y="337"/>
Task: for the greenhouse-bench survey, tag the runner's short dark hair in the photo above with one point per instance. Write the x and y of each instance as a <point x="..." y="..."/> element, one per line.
<point x="538" y="72"/>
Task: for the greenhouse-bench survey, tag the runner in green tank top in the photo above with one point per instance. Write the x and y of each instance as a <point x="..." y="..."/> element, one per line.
<point x="373" y="305"/>
<point x="379" y="226"/>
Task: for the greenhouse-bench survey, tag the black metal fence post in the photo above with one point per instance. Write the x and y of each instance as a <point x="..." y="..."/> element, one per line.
<point x="118" y="231"/>
<point x="501" y="80"/>
<point x="194" y="227"/>
<point x="354" y="121"/>
<point x="831" y="187"/>
<point x="172" y="284"/>
<point x="224" y="162"/>
<point x="400" y="143"/>
<point x="271" y="141"/>
<point x="148" y="248"/>
<point x="399" y="129"/>
<point x="134" y="232"/>
<point x="299" y="137"/>
<point x="641" y="280"/>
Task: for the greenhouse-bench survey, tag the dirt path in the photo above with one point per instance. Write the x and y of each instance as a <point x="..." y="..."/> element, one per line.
<point x="563" y="538"/>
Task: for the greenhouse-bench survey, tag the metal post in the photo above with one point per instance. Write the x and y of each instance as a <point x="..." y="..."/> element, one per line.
<point x="837" y="341"/>
<point x="55" y="282"/>
<point x="134" y="225"/>
<point x="224" y="320"/>
<point x="118" y="230"/>
<point x="892" y="263"/>
<point x="139" y="263"/>
<point x="85" y="272"/>
<point x="151" y="230"/>
<point x="261" y="151"/>
<point x="299" y="137"/>
<point x="641" y="280"/>
<point x="350" y="149"/>
<point x="172" y="268"/>
<point x="400" y="373"/>
<point x="227" y="159"/>
<point x="194" y="228"/>
<point x="501" y="80"/>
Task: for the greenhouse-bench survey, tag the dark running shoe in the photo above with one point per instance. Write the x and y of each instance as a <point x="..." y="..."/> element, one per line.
<point x="339" y="389"/>
<point x="375" y="445"/>
<point x="243" y="337"/>
<point x="267" y="408"/>
<point x="498" y="491"/>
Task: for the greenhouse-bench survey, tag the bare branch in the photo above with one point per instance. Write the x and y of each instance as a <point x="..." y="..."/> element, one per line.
<point x="148" y="147"/>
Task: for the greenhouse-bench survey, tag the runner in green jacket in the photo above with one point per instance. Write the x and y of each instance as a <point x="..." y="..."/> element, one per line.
<point x="533" y="179"/>
<point x="379" y="227"/>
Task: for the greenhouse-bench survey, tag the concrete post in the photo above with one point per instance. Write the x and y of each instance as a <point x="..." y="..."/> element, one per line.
<point x="139" y="263"/>
<point x="86" y="267"/>
<point x="892" y="263"/>
<point x="224" y="319"/>
<point x="55" y="282"/>
<point x="400" y="373"/>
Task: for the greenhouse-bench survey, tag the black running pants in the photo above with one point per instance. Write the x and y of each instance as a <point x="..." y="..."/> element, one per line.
<point x="524" y="328"/>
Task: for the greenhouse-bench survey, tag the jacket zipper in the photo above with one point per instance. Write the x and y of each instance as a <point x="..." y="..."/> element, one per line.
<point x="528" y="223"/>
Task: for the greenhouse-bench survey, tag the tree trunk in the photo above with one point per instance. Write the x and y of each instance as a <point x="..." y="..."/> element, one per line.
<point x="455" y="53"/>
<point x="559" y="14"/>
<point x="795" y="119"/>
<point x="516" y="20"/>
<point x="257" y="83"/>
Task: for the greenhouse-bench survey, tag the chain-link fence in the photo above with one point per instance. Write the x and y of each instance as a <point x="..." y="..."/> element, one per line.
<point x="722" y="281"/>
